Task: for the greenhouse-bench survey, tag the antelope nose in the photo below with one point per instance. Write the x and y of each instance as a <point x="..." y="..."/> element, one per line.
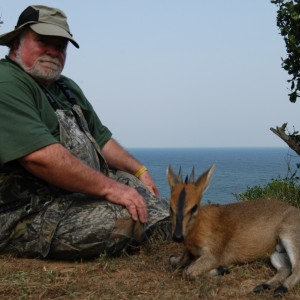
<point x="178" y="238"/>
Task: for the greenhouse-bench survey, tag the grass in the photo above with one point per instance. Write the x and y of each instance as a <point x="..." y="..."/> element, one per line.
<point x="144" y="275"/>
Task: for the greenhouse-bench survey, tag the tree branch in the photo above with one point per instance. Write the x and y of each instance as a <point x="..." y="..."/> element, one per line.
<point x="292" y="142"/>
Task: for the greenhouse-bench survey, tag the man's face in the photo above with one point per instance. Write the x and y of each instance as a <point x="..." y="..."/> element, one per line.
<point x="42" y="57"/>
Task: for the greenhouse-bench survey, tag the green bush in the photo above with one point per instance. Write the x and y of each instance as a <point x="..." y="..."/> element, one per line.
<point x="282" y="189"/>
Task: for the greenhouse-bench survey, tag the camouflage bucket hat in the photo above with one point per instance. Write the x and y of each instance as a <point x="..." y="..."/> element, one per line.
<point x="43" y="20"/>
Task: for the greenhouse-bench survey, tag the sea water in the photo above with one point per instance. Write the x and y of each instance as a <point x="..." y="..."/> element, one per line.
<point x="236" y="168"/>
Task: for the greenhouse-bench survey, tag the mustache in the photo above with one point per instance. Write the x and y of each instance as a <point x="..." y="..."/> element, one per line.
<point x="49" y="59"/>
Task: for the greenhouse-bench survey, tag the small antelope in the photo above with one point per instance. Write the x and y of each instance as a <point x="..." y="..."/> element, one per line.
<point x="217" y="236"/>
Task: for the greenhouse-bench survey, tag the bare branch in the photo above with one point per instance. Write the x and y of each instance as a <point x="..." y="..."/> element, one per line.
<point x="290" y="139"/>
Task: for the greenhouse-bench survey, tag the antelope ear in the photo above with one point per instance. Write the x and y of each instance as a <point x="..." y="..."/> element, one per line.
<point x="172" y="178"/>
<point x="203" y="181"/>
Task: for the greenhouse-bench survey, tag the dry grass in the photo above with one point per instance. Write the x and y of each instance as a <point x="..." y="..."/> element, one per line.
<point x="144" y="275"/>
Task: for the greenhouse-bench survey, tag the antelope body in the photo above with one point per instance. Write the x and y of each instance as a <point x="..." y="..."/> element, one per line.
<point x="217" y="236"/>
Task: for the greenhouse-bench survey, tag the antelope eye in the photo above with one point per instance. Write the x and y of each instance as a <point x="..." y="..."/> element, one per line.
<point x="194" y="208"/>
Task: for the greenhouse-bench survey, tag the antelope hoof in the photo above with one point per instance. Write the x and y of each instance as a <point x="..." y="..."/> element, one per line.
<point x="222" y="271"/>
<point x="280" y="291"/>
<point x="188" y="275"/>
<point x="262" y="287"/>
<point x="173" y="261"/>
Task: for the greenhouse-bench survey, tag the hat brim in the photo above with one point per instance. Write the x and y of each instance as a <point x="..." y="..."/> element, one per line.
<point x="52" y="30"/>
<point x="7" y="39"/>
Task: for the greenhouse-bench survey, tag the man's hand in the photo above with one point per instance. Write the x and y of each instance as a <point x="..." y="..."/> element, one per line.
<point x="118" y="158"/>
<point x="124" y="195"/>
<point x="149" y="182"/>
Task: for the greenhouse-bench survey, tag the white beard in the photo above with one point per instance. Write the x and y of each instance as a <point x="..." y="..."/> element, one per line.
<point x="49" y="73"/>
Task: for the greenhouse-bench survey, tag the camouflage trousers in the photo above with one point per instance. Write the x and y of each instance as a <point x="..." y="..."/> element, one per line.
<point x="78" y="226"/>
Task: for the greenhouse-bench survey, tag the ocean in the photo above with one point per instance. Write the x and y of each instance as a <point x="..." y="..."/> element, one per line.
<point x="236" y="168"/>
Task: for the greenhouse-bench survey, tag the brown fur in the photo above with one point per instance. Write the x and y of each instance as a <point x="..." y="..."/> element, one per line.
<point x="221" y="235"/>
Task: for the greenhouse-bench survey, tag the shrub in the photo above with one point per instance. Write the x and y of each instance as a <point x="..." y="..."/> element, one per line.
<point x="282" y="189"/>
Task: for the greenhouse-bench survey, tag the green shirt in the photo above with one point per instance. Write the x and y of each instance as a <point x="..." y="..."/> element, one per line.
<point x="27" y="120"/>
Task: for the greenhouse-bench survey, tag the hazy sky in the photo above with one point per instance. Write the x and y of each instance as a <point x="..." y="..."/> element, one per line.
<point x="178" y="73"/>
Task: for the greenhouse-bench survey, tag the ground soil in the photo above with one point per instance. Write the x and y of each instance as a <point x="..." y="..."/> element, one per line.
<point x="143" y="275"/>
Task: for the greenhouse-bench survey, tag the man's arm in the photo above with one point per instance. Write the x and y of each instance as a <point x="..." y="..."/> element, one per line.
<point x="59" y="167"/>
<point x="117" y="157"/>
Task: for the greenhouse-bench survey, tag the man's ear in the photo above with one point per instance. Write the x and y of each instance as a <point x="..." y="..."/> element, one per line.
<point x="14" y="47"/>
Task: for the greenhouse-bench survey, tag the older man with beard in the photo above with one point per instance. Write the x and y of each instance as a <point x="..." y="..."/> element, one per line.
<point x="67" y="188"/>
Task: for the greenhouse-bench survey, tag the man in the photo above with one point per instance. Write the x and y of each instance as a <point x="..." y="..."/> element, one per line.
<point x="67" y="188"/>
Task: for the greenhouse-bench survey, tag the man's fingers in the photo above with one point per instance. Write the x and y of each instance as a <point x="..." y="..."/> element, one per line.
<point x="131" y="199"/>
<point x="155" y="191"/>
<point x="143" y="214"/>
<point x="133" y="212"/>
<point x="138" y="211"/>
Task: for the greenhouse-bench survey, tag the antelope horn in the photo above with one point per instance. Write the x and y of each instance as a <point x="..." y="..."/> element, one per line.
<point x="192" y="176"/>
<point x="179" y="176"/>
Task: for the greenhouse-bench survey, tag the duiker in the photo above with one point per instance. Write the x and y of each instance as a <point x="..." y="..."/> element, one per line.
<point x="217" y="236"/>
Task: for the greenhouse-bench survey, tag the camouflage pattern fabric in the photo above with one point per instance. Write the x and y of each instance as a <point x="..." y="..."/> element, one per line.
<point x="22" y="198"/>
<point x="93" y="226"/>
<point x="75" y="225"/>
<point x="76" y="137"/>
<point x="39" y="220"/>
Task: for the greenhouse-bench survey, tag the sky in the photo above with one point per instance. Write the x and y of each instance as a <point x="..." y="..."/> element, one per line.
<point x="178" y="73"/>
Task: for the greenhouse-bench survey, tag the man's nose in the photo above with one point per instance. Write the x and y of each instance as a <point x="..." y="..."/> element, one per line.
<point x="55" y="50"/>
